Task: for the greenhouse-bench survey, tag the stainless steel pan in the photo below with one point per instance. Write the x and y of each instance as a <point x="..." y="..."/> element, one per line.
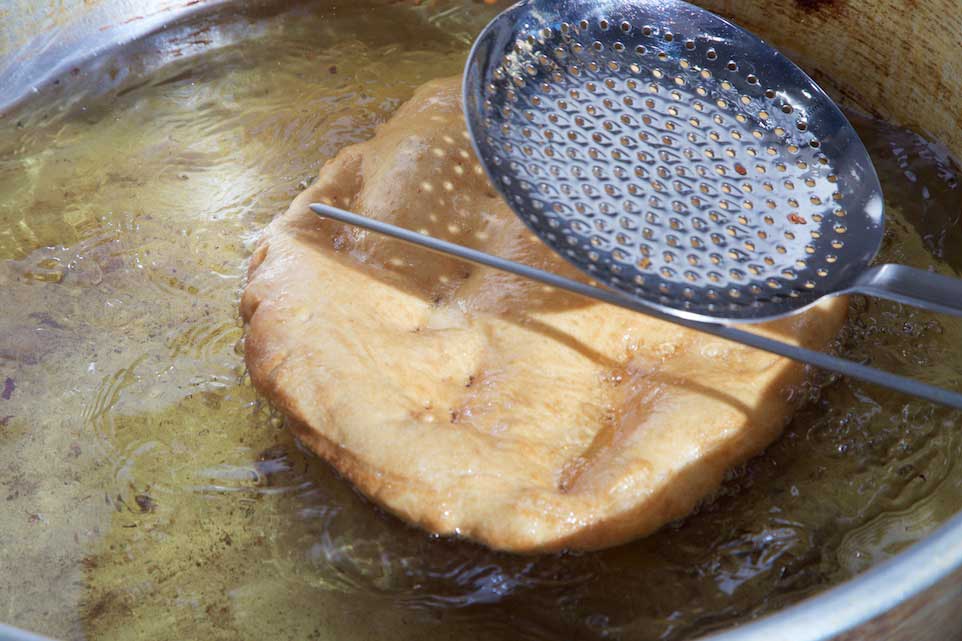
<point x="904" y="64"/>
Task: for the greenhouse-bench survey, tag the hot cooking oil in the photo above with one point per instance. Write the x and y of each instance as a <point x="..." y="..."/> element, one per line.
<point x="146" y="490"/>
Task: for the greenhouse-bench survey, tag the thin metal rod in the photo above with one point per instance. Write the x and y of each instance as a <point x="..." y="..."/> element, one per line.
<point x="801" y="354"/>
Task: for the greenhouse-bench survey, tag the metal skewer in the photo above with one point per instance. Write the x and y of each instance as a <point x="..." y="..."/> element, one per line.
<point x="811" y="357"/>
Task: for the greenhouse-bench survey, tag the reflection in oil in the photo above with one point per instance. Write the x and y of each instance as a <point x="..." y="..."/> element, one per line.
<point x="148" y="493"/>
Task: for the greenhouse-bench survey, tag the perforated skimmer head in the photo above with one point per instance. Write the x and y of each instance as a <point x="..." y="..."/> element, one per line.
<point x="672" y="156"/>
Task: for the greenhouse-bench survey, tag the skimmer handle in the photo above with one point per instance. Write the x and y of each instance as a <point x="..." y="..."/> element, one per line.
<point x="818" y="359"/>
<point x="916" y="287"/>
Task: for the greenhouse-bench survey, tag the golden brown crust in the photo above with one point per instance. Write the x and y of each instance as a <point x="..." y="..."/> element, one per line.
<point x="469" y="401"/>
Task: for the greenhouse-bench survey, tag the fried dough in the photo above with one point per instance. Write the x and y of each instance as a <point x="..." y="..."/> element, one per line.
<point x="472" y="402"/>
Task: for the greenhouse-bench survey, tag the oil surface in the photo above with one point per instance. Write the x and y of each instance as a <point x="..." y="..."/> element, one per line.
<point x="146" y="492"/>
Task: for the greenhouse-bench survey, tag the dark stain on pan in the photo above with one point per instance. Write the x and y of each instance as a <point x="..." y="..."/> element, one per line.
<point x="816" y="5"/>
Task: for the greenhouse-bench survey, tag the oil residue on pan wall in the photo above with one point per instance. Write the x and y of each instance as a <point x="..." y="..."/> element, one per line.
<point x="148" y="493"/>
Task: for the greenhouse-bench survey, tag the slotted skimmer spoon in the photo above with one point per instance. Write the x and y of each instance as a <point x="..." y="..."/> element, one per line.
<point x="683" y="163"/>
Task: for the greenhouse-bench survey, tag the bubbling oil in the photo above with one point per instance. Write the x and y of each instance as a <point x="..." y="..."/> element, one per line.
<point x="149" y="493"/>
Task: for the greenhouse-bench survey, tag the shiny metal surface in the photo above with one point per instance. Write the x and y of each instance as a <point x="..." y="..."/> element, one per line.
<point x="916" y="596"/>
<point x="912" y="287"/>
<point x="40" y="41"/>
<point x="678" y="159"/>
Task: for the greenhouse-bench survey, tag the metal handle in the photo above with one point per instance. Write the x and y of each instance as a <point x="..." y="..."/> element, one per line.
<point x="916" y="287"/>
<point x="811" y="357"/>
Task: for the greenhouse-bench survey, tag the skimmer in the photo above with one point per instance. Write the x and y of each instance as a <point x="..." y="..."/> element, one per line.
<point x="683" y="163"/>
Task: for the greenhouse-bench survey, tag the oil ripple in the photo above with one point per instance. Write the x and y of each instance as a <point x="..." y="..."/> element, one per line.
<point x="98" y="417"/>
<point x="205" y="341"/>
